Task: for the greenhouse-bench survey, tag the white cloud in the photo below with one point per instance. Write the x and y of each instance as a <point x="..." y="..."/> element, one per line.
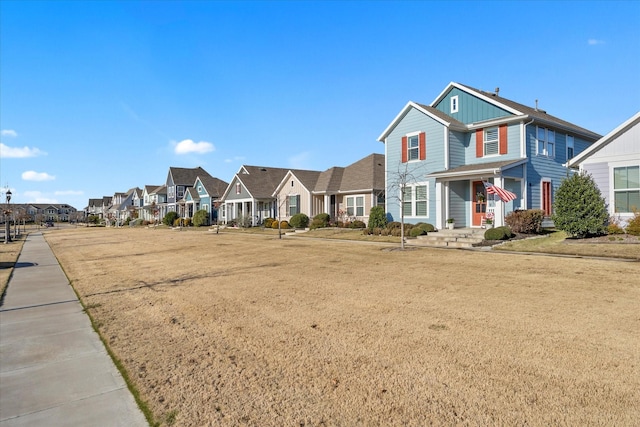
<point x="16" y="152"/>
<point x="593" y="42"/>
<point x="9" y="132"/>
<point x="38" y="197"/>
<point x="37" y="176"/>
<point x="187" y="146"/>
<point x="69" y="193"/>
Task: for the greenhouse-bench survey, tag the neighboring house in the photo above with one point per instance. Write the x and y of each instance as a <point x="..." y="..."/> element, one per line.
<point x="177" y="183"/>
<point x="150" y="208"/>
<point x="249" y="195"/>
<point x="124" y="205"/>
<point x="614" y="163"/>
<point x="36" y="212"/>
<point x="205" y="195"/>
<point x="345" y="193"/>
<point x="467" y="136"/>
<point x="99" y="207"/>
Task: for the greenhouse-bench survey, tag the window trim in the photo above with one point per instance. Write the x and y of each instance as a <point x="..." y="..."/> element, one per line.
<point x="485" y="142"/>
<point x="545" y="142"/>
<point x="413" y="202"/>
<point x="573" y="146"/>
<point x="625" y="190"/>
<point x="355" y="206"/>
<point x="455" y="104"/>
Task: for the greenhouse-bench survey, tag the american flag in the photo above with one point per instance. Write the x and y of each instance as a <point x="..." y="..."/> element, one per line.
<point x="505" y="195"/>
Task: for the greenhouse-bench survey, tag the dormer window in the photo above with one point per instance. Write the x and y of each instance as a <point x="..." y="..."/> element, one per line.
<point x="454" y="104"/>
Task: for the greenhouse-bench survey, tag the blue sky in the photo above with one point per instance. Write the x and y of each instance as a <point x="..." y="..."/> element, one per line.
<point x="97" y="97"/>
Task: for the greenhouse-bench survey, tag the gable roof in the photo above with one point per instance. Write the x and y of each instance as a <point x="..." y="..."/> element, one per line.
<point x="604" y="141"/>
<point x="329" y="180"/>
<point x="213" y="186"/>
<point x="523" y="110"/>
<point x="365" y="174"/>
<point x="435" y="114"/>
<point x="519" y="112"/>
<point x="186" y="176"/>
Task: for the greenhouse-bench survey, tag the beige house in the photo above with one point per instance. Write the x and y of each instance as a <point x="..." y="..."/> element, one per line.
<point x="345" y="193"/>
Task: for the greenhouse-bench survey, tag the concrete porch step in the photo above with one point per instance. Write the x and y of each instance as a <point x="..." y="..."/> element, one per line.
<point x="457" y="238"/>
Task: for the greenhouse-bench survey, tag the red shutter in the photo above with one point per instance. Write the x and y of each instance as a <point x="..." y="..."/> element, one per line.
<point x="502" y="139"/>
<point x="423" y="146"/>
<point x="479" y="143"/>
<point x="404" y="149"/>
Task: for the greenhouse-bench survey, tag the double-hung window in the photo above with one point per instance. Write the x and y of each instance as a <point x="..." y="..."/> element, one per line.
<point x="569" y="147"/>
<point x="355" y="206"/>
<point x="413" y="147"/>
<point x="491" y="141"/>
<point x="626" y="188"/>
<point x="294" y="205"/>
<point x="414" y="202"/>
<point x="546" y="142"/>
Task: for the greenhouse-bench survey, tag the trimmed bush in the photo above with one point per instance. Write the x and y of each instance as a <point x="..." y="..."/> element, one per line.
<point x="299" y="221"/>
<point x="317" y="223"/>
<point x="633" y="226"/>
<point x="170" y="218"/>
<point x="580" y="209"/>
<point x="614" y="226"/>
<point x="186" y="222"/>
<point x="268" y="222"/>
<point x="417" y="231"/>
<point x="428" y="228"/>
<point x="176" y="222"/>
<point x="200" y="218"/>
<point x="393" y="225"/>
<point x="357" y="224"/>
<point x="284" y="225"/>
<point x="498" y="233"/>
<point x="377" y="217"/>
<point x="527" y="222"/>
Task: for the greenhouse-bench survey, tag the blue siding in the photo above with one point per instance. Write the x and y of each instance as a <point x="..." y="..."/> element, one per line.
<point x="457" y="147"/>
<point x="513" y="147"/>
<point x="414" y="121"/>
<point x="542" y="167"/>
<point x="471" y="109"/>
<point x="459" y="208"/>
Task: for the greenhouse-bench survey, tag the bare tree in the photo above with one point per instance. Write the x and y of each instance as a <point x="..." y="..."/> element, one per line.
<point x="397" y="183"/>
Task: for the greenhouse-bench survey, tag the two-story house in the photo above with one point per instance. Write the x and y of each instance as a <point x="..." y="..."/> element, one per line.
<point x="466" y="137"/>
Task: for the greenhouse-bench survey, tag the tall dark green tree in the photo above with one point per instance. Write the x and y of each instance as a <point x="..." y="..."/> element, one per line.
<point x="580" y="209"/>
<point x="377" y="217"/>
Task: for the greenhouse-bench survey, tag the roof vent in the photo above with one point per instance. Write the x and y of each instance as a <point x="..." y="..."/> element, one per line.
<point x="497" y="91"/>
<point x="536" y="105"/>
<point x="263" y="169"/>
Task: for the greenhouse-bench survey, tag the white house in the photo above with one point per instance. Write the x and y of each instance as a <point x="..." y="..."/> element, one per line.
<point x="614" y="163"/>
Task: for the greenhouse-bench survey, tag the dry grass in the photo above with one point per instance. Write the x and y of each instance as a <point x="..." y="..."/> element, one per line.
<point x="241" y="329"/>
<point x="8" y="257"/>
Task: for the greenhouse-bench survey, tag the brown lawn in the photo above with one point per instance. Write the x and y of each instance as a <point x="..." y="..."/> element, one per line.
<point x="240" y="329"/>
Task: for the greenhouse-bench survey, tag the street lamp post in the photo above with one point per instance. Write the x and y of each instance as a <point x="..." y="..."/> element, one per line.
<point x="7" y="224"/>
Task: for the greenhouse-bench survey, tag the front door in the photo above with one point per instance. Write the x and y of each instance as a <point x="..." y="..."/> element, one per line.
<point x="478" y="204"/>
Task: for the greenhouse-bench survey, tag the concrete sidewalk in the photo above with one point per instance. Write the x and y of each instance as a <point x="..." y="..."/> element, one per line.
<point x="54" y="370"/>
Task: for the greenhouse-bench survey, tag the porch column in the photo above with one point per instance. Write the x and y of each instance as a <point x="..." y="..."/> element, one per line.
<point x="499" y="205"/>
<point x="253" y="212"/>
<point x="441" y="190"/>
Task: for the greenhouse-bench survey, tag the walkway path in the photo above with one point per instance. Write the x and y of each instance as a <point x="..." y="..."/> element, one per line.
<point x="54" y="370"/>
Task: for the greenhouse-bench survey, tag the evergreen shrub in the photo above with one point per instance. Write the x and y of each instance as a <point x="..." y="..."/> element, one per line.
<point x="299" y="221"/>
<point x="200" y="218"/>
<point x="580" y="209"/>
<point x="170" y="218"/>
<point x="377" y="217"/>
